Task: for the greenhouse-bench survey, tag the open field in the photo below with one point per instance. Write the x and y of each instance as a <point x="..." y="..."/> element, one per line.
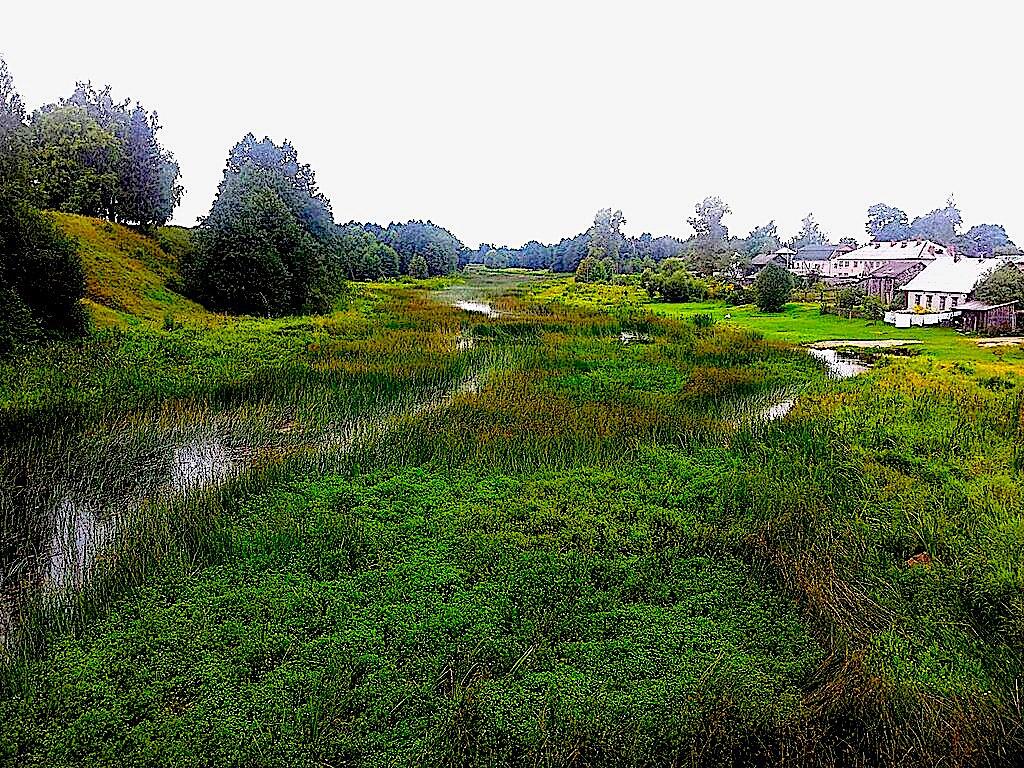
<point x="803" y="323"/>
<point x="457" y="538"/>
<point x="799" y="323"/>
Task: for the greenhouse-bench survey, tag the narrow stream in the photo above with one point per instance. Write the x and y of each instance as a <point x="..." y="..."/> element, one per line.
<point x="777" y="405"/>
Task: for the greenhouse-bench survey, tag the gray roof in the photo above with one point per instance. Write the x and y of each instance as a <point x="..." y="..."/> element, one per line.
<point x="820" y="252"/>
<point x="893" y="268"/>
<point x="981" y="306"/>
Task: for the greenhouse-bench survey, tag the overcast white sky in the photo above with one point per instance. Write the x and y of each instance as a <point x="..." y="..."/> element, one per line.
<point x="511" y="121"/>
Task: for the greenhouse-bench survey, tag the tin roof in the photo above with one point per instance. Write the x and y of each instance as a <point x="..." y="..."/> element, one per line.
<point x="900" y="249"/>
<point x="951" y="275"/>
<point x="981" y="306"/>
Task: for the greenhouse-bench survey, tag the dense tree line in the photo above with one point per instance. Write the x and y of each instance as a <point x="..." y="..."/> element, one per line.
<point x="41" y="276"/>
<point x="602" y="241"/>
<point x="440" y="249"/>
<point x="942" y="225"/>
<point x="270" y="245"/>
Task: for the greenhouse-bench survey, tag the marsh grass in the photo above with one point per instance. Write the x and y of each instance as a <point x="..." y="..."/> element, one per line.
<point x="545" y="548"/>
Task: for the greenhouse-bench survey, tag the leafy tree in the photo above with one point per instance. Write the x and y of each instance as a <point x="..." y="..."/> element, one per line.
<point x="772" y="288"/>
<point x="849" y="241"/>
<point x="74" y="162"/>
<point x="708" y="249"/>
<point x="590" y="270"/>
<point x="13" y="136"/>
<point x="1001" y="285"/>
<point x="610" y="267"/>
<point x="874" y="308"/>
<point x="848" y="299"/>
<point x="673" y="283"/>
<point x="886" y="223"/>
<point x="361" y="256"/>
<point x="41" y="276"/>
<point x="762" y="239"/>
<point x="114" y="142"/>
<point x="418" y="267"/>
<point x="810" y="234"/>
<point x="707" y="223"/>
<point x="533" y="255"/>
<point x="939" y="226"/>
<point x="268" y="245"/>
<point x="605" y="236"/>
<point x="983" y="240"/>
<point x="496" y="258"/>
<point x="568" y="253"/>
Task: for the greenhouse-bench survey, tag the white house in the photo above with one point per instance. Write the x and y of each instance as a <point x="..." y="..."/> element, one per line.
<point x="814" y="259"/>
<point x="873" y="255"/>
<point x="946" y="282"/>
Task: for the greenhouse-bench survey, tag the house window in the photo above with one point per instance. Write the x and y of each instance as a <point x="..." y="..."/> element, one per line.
<point x="917" y="300"/>
<point x="942" y="303"/>
<point x="954" y="301"/>
<point x="928" y="301"/>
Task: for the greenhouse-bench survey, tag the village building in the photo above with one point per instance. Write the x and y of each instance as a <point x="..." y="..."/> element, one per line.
<point x="978" y="316"/>
<point x="814" y="259"/>
<point x="781" y="258"/>
<point x="943" y="292"/>
<point x="858" y="262"/>
<point x="946" y="283"/>
<point x="886" y="281"/>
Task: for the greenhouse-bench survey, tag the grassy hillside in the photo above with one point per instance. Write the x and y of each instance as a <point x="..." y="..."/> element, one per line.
<point x="131" y="278"/>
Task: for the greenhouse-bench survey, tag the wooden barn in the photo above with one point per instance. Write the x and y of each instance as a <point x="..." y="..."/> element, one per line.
<point x="977" y="316"/>
<point x="885" y="281"/>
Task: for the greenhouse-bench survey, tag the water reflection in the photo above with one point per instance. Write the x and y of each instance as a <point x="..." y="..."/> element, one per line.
<point x="479" y="307"/>
<point x="839" y="366"/>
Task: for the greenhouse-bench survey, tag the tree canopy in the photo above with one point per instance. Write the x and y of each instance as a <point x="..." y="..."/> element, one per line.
<point x="940" y="225"/>
<point x="441" y="250"/>
<point x="887" y="223"/>
<point x="94" y="155"/>
<point x="810" y="234"/>
<point x="267" y="245"/>
<point x="1002" y="285"/>
<point x="75" y="163"/>
<point x="763" y="239"/>
<point x="41" y="276"/>
<point x="605" y="236"/>
<point x="983" y="240"/>
<point x="772" y="288"/>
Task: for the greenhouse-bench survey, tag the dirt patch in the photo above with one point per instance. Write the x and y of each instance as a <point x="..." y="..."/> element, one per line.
<point x="920" y="560"/>
<point x="1001" y="341"/>
<point x="863" y="343"/>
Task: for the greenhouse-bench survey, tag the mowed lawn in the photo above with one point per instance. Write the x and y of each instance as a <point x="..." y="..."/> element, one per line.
<point x="804" y="323"/>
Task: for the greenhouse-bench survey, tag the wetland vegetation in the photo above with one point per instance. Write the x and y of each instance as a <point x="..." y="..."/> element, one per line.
<point x="279" y="491"/>
<point x="355" y="538"/>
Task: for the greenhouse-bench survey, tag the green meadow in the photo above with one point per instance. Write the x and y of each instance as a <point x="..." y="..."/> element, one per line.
<point x="455" y="538"/>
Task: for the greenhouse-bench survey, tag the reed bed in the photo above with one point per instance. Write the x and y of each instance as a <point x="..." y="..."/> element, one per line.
<point x="547" y="547"/>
